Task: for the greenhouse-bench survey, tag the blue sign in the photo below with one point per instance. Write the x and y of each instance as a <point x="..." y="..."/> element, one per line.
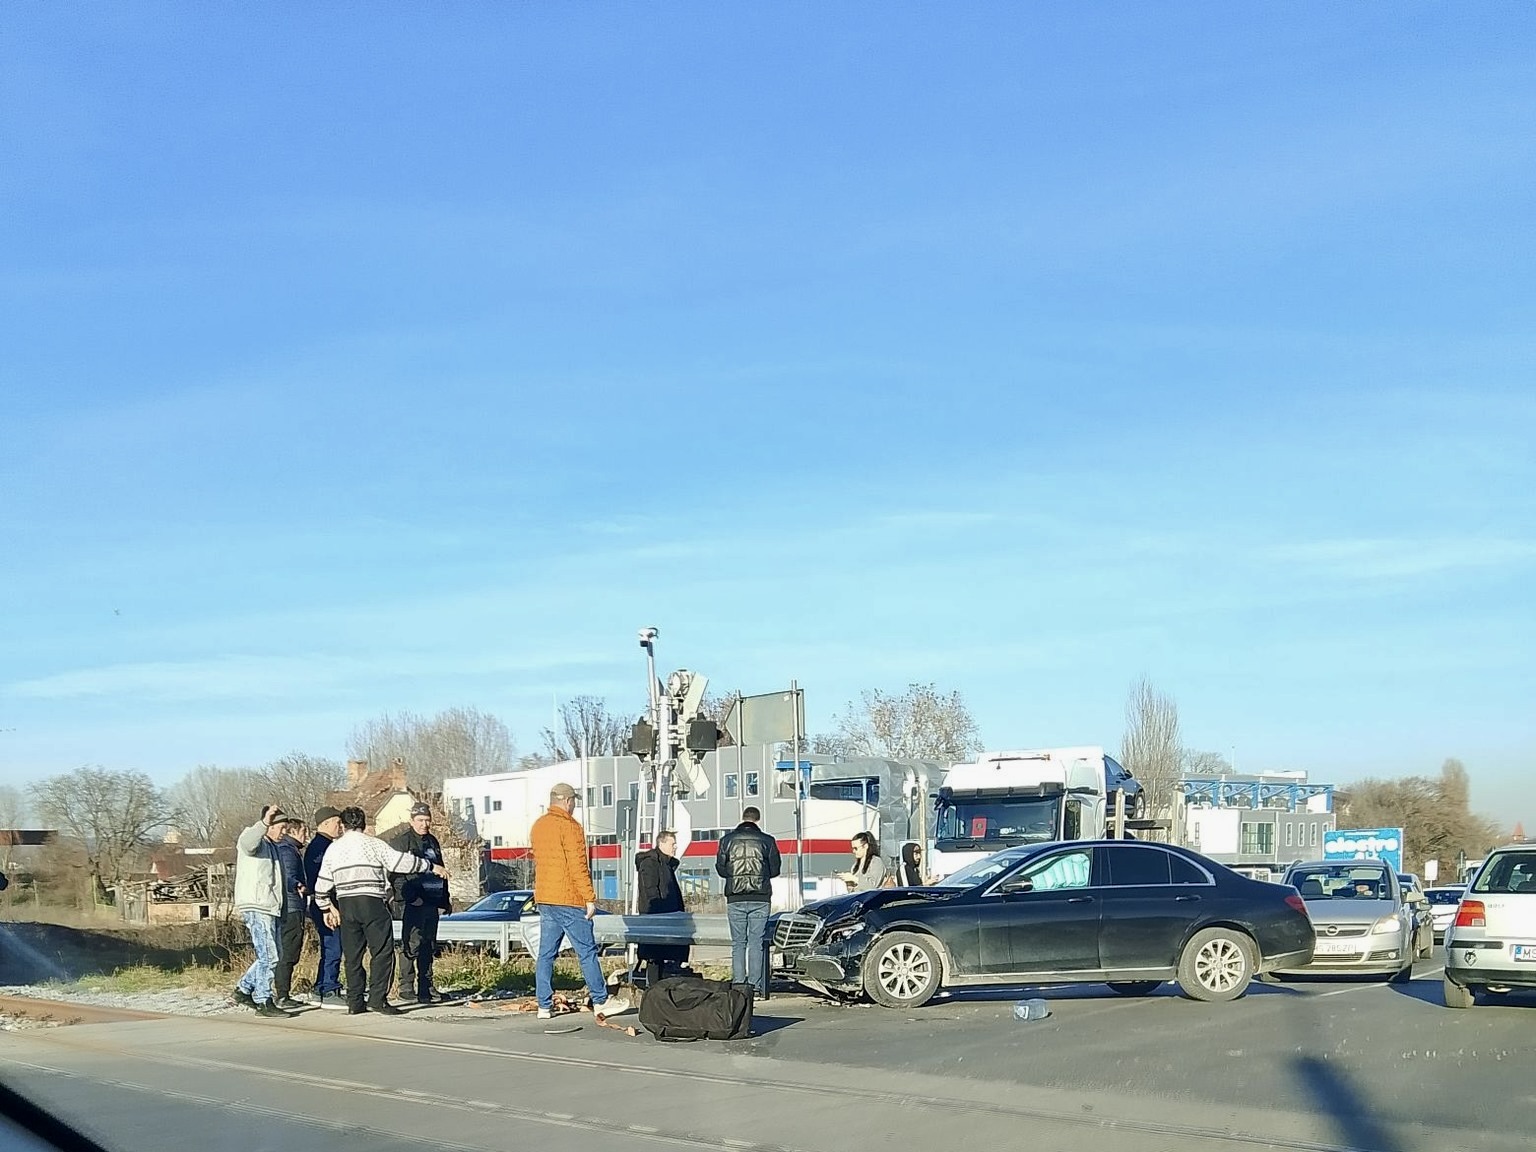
<point x="1384" y="844"/>
<point x="789" y="766"/>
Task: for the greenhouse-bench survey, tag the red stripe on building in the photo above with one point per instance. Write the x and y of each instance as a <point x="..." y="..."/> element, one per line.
<point x="837" y="845"/>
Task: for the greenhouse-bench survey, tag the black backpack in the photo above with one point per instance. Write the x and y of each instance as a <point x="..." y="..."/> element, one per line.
<point x="688" y="1008"/>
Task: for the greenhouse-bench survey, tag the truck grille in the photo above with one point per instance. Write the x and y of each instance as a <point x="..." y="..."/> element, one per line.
<point x="794" y="931"/>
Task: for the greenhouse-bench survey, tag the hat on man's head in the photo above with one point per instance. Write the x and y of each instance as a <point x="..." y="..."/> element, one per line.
<point x="562" y="792"/>
<point x="275" y="815"/>
<point x="324" y="813"/>
<point x="420" y="809"/>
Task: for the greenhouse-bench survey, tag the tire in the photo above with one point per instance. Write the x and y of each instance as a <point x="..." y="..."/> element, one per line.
<point x="1456" y="996"/>
<point x="902" y="970"/>
<point x="1403" y="975"/>
<point x="1217" y="965"/>
<point x="1135" y="987"/>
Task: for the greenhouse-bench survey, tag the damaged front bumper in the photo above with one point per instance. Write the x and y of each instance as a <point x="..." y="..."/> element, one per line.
<point x="836" y="963"/>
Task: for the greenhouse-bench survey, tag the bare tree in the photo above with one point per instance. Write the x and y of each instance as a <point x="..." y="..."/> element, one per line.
<point x="717" y="708"/>
<point x="213" y="804"/>
<point x="918" y="724"/>
<point x="1193" y="762"/>
<point x="1433" y="811"/>
<point x="300" y="782"/>
<point x="455" y="742"/>
<point x="1150" y="746"/>
<point x="587" y="726"/>
<point x="110" y="813"/>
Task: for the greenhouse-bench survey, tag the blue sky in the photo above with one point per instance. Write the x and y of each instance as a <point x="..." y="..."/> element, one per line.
<point x="369" y="358"/>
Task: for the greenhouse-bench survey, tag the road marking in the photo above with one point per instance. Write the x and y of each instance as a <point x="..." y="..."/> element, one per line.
<point x="1188" y="1132"/>
<point x="1356" y="987"/>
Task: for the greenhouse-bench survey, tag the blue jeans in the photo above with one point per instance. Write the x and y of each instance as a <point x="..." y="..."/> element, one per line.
<point x="328" y="975"/>
<point x="257" y="981"/>
<point x="557" y="922"/>
<point x="749" y="936"/>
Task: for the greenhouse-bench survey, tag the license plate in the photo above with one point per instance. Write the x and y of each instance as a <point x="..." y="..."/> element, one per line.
<point x="1335" y="948"/>
<point x="1526" y="952"/>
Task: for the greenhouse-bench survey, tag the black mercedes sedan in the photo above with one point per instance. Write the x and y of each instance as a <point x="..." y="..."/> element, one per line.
<point x="1128" y="914"/>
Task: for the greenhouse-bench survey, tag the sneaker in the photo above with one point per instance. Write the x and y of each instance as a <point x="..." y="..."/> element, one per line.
<point x="272" y="1011"/>
<point x="618" y="1002"/>
<point x="244" y="998"/>
<point x="402" y="999"/>
<point x="289" y="1004"/>
<point x="332" y="1002"/>
<point x="546" y="1014"/>
<point x="385" y="1009"/>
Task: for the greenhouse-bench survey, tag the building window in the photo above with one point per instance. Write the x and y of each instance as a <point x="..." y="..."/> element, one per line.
<point x="591" y="800"/>
<point x="495" y="805"/>
<point x="1258" y="839"/>
<point x="634" y="790"/>
<point x="730" y="785"/>
<point x="487" y="805"/>
<point x="1314" y="834"/>
<point x="751" y="783"/>
<point x="1290" y="834"/>
<point x="496" y="842"/>
<point x="650" y="792"/>
<point x="607" y="795"/>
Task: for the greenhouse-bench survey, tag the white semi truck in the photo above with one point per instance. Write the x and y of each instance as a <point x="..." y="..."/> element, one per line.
<point x="1009" y="798"/>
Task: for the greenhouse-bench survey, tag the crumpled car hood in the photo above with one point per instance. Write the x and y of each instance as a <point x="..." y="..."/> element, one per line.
<point x="838" y="908"/>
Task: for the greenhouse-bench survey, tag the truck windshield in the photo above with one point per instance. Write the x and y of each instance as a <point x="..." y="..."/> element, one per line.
<point x="997" y="821"/>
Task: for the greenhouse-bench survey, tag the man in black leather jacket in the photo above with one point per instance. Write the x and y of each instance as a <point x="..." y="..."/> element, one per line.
<point x="748" y="859"/>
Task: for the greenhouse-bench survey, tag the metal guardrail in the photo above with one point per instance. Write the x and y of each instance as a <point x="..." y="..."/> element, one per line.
<point x="660" y="928"/>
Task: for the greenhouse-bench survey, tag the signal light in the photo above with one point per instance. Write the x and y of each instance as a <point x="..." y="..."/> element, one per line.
<point x="1471" y="914"/>
<point x="1299" y="904"/>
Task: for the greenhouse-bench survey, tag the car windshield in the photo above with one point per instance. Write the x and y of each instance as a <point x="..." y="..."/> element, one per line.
<point x="1342" y="881"/>
<point x="1445" y="895"/>
<point x="1010" y="821"/>
<point x="1507" y="873"/>
<point x="499" y="902"/>
<point x="982" y="870"/>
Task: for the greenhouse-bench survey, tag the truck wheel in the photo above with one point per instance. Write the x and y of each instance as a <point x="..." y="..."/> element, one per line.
<point x="1135" y="987"/>
<point x="902" y="970"/>
<point x="1456" y="996"/>
<point x="1217" y="964"/>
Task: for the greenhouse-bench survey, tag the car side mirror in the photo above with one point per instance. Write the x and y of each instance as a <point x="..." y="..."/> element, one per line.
<point x="1015" y="887"/>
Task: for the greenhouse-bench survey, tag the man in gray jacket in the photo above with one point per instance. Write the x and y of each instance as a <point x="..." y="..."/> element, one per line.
<point x="259" y="900"/>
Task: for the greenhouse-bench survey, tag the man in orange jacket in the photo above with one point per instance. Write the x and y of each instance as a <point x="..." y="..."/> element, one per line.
<point x="562" y="889"/>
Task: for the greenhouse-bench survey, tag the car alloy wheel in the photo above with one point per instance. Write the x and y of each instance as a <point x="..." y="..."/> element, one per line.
<point x="1217" y="964"/>
<point x="902" y="970"/>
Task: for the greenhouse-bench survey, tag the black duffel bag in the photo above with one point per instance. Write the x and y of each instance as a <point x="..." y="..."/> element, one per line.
<point x="689" y="1008"/>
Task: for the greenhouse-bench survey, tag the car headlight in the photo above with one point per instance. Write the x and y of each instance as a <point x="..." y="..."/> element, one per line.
<point x="842" y="932"/>
<point x="1392" y="923"/>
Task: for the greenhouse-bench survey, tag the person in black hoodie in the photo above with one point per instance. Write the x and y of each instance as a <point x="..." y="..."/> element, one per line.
<point x="423" y="896"/>
<point x="659" y="892"/>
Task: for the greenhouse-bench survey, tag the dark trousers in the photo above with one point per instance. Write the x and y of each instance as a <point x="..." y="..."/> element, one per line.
<point x="290" y="942"/>
<point x="365" y="923"/>
<point x="418" y="947"/>
<point x="328" y="973"/>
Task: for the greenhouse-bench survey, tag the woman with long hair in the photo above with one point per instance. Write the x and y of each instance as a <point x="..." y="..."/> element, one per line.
<point x="868" y="868"/>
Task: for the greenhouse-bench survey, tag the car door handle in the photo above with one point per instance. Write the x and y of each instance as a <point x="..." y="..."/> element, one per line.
<point x="1080" y="900"/>
<point x="1178" y="899"/>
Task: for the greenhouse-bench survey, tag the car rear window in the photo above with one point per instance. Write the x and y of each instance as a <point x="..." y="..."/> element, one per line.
<point x="1508" y="872"/>
<point x="1444" y="895"/>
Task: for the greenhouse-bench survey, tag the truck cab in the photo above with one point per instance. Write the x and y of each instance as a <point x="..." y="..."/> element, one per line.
<point x="1006" y="799"/>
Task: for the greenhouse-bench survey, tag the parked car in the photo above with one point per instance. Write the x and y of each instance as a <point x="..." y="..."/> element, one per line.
<point x="1442" y="906"/>
<point x="509" y="905"/>
<point x="1423" y="919"/>
<point x="1131" y="915"/>
<point x="1119" y="779"/>
<point x="1490" y="946"/>
<point x="1362" y="922"/>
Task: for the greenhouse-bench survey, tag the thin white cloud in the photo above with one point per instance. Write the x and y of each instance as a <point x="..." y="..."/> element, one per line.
<point x="1401" y="558"/>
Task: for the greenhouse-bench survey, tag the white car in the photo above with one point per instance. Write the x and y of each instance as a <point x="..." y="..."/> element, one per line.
<point x="1442" y="906"/>
<point x="1490" y="946"/>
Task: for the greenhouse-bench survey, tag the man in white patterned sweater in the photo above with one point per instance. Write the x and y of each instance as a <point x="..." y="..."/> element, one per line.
<point x="350" y="891"/>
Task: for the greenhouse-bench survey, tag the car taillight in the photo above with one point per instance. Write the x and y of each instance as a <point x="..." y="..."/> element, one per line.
<point x="1299" y="904"/>
<point x="1471" y="914"/>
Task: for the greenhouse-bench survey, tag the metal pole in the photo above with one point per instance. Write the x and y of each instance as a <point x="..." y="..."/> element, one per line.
<point x="794" y="755"/>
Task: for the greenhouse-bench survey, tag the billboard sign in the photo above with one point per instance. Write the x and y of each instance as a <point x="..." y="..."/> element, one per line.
<point x="1365" y="844"/>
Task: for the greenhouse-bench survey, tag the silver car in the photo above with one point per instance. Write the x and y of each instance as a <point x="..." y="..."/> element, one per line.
<point x="1359" y="916"/>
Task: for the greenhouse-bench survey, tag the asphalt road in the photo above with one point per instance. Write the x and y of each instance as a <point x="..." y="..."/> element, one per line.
<point x="1326" y="1065"/>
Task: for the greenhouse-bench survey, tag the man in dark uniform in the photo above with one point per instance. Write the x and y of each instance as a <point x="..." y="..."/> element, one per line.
<point x="423" y="896"/>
